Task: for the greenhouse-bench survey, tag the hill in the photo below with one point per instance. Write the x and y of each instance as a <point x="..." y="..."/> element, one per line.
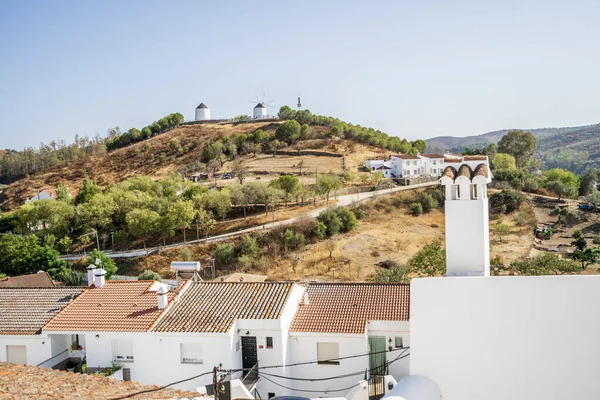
<point x="452" y="143"/>
<point x="576" y="150"/>
<point x="180" y="150"/>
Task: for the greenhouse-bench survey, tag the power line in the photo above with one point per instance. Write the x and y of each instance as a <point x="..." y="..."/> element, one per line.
<point x="160" y="388"/>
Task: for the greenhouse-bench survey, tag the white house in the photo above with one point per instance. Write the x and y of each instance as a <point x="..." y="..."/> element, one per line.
<point x="432" y="164"/>
<point x="23" y="313"/>
<point x="372" y="165"/>
<point x="47" y="194"/>
<point x="406" y="165"/>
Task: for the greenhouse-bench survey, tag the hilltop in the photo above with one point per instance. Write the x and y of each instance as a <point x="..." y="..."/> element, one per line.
<point x="180" y="150"/>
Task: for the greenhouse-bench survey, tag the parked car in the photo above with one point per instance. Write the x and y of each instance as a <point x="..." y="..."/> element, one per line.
<point x="227" y="175"/>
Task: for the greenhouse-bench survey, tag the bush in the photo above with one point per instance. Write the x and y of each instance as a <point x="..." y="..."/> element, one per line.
<point x="331" y="221"/>
<point x="149" y="275"/>
<point x="224" y="254"/>
<point x="360" y="213"/>
<point x="107" y="263"/>
<point x="397" y="273"/>
<point x="427" y="202"/>
<point x="506" y="201"/>
<point x="185" y="254"/>
<point x="291" y="240"/>
<point x="247" y="248"/>
<point x="347" y="219"/>
<point x="439" y="195"/>
<point x="416" y="209"/>
<point x="319" y="230"/>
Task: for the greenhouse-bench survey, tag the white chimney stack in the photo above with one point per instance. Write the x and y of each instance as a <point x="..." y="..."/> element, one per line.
<point x="99" y="277"/>
<point x="162" y="298"/>
<point x="467" y="217"/>
<point x="90" y="274"/>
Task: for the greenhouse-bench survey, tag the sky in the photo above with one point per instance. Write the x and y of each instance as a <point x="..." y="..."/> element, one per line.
<point x="413" y="69"/>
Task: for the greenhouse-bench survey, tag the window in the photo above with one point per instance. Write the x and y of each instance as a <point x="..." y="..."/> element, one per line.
<point x="122" y="350"/>
<point x="328" y="353"/>
<point x="191" y="353"/>
<point x="269" y="342"/>
<point x="271" y="395"/>
<point x="434" y="162"/>
<point x="398" y="341"/>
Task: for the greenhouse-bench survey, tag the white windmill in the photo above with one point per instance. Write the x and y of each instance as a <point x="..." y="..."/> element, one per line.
<point x="260" y="110"/>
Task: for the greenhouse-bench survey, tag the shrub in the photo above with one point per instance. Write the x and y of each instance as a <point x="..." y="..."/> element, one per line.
<point x="360" y="213"/>
<point x="397" y="273"/>
<point x="185" y="254"/>
<point x="106" y="262"/>
<point x="245" y="261"/>
<point x="416" y="209"/>
<point x="427" y="202"/>
<point x="319" y="230"/>
<point x="331" y="221"/>
<point x="248" y="248"/>
<point x="439" y="195"/>
<point x="291" y="240"/>
<point x="224" y="254"/>
<point x="347" y="219"/>
<point x="506" y="201"/>
<point x="149" y="275"/>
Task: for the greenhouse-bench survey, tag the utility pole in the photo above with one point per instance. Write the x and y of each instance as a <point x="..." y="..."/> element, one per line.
<point x="333" y="275"/>
<point x="216" y="383"/>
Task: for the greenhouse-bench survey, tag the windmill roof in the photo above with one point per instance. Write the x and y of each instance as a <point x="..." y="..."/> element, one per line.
<point x="260" y="105"/>
<point x="202" y="105"/>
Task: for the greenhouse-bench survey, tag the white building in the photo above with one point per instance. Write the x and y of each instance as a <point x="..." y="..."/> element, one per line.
<point x="432" y="164"/>
<point x="260" y="111"/>
<point x="23" y="313"/>
<point x="372" y="165"/>
<point x="406" y="165"/>
<point x="202" y="113"/>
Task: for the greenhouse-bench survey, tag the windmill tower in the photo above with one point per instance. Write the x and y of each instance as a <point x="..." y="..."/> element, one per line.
<point x="202" y="112"/>
<point x="260" y="110"/>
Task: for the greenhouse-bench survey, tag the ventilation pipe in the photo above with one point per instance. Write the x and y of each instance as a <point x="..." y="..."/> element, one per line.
<point x="99" y="277"/>
<point x="90" y="274"/>
<point x="162" y="298"/>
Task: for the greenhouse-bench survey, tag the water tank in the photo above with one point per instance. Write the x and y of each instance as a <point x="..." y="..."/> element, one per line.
<point x="202" y="112"/>
<point x="260" y="111"/>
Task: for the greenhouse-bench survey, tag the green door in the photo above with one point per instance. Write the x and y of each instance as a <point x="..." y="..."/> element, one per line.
<point x="377" y="356"/>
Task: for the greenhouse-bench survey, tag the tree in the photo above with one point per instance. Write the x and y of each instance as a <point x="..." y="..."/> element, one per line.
<point x="149" y="275"/>
<point x="327" y="183"/>
<point x="562" y="182"/>
<point x="430" y="260"/>
<point x="218" y="201"/>
<point x="330" y="246"/>
<point x="300" y="165"/>
<point x="564" y="214"/>
<point x="331" y="220"/>
<point x="319" y="230"/>
<point x="224" y="254"/>
<point x="182" y="214"/>
<point x="23" y="255"/>
<point x="88" y="190"/>
<point x="239" y="170"/>
<point x="67" y="277"/>
<point x="106" y="262"/>
<point x="501" y="230"/>
<point x="142" y="222"/>
<point x="416" y="209"/>
<point x="560" y="189"/>
<point x="347" y="219"/>
<point x="289" y="184"/>
<point x="288" y="132"/>
<point x="427" y="202"/>
<point x="305" y="131"/>
<point x="96" y="213"/>
<point x="63" y="194"/>
<point x="589" y="182"/>
<point x="545" y="264"/>
<point x="397" y="273"/>
<point x="521" y="145"/>
<point x="248" y="247"/>
<point x="593" y="198"/>
<point x="582" y="253"/>
<point x="44" y="217"/>
<point x="292" y="240"/>
<point x="506" y="201"/>
<point x="504" y="161"/>
<point x="419" y="145"/>
<point x="261" y="193"/>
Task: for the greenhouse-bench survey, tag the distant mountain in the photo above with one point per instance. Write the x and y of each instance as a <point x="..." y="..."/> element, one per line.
<point x="452" y="143"/>
<point x="575" y="148"/>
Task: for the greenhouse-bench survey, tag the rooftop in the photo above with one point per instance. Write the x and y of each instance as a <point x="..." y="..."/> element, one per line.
<point x="475" y="158"/>
<point x="432" y="155"/>
<point x="128" y="306"/>
<point x="39" y="280"/>
<point x="346" y="307"/>
<point x="24" y="311"/>
<point x="405" y="156"/>
<point x="215" y="306"/>
<point x="241" y="277"/>
<point x="202" y="105"/>
<point x="20" y="382"/>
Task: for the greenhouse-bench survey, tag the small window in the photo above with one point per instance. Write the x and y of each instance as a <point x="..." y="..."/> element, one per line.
<point x="122" y="350"/>
<point x="398" y="341"/>
<point x="269" y="342"/>
<point x="271" y="395"/>
<point x="191" y="353"/>
<point x="328" y="353"/>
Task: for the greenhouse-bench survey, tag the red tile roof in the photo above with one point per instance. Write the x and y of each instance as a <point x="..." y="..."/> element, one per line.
<point x="346" y="307"/>
<point x="432" y="155"/>
<point x="26" y="382"/>
<point x="405" y="156"/>
<point x="117" y="306"/>
<point x="24" y="311"/>
<point x="39" y="280"/>
<point x="475" y="158"/>
<point x="215" y="306"/>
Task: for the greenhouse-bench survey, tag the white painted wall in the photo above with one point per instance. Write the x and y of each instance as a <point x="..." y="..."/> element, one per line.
<point x="259" y="112"/>
<point x="40" y="348"/>
<point x="498" y="338"/>
<point x="202" y="114"/>
<point x="392" y="329"/>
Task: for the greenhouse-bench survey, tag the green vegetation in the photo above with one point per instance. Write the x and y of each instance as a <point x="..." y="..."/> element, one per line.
<point x="506" y="201"/>
<point x="149" y="275"/>
<point x="521" y="145"/>
<point x="25" y="255"/>
<point x="544" y="264"/>
<point x="429" y="261"/>
<point x="135" y="135"/>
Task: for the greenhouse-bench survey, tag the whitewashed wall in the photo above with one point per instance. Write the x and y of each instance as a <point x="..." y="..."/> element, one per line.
<point x="39" y="348"/>
<point x="500" y="338"/>
<point x="390" y="330"/>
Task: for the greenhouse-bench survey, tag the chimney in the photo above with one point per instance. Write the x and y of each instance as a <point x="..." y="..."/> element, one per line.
<point x="162" y="298"/>
<point x="99" y="277"/>
<point x="90" y="274"/>
<point x="467" y="219"/>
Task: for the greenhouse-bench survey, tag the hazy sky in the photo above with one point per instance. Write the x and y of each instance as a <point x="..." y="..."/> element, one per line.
<point x="414" y="69"/>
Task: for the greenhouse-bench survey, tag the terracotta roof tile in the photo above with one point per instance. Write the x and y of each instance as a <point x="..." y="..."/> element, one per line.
<point x="39" y="280"/>
<point x="241" y="277"/>
<point x="215" y="306"/>
<point x="24" y="311"/>
<point x="452" y="160"/>
<point x="346" y="307"/>
<point x="405" y="156"/>
<point x="450" y="172"/>
<point x="25" y="382"/>
<point x="465" y="170"/>
<point x="475" y="158"/>
<point x="117" y="306"/>
<point x="481" y="170"/>
<point x="432" y="155"/>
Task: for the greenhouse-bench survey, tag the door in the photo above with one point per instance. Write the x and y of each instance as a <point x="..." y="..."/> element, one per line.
<point x="249" y="352"/>
<point x="377" y="355"/>
<point x="16" y="354"/>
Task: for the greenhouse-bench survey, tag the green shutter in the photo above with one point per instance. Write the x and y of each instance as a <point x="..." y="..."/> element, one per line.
<point x="378" y="356"/>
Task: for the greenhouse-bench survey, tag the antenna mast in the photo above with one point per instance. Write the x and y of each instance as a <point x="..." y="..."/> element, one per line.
<point x="299" y="104"/>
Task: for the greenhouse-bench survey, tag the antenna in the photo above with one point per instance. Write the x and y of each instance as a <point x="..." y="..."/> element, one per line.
<point x="299" y="103"/>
